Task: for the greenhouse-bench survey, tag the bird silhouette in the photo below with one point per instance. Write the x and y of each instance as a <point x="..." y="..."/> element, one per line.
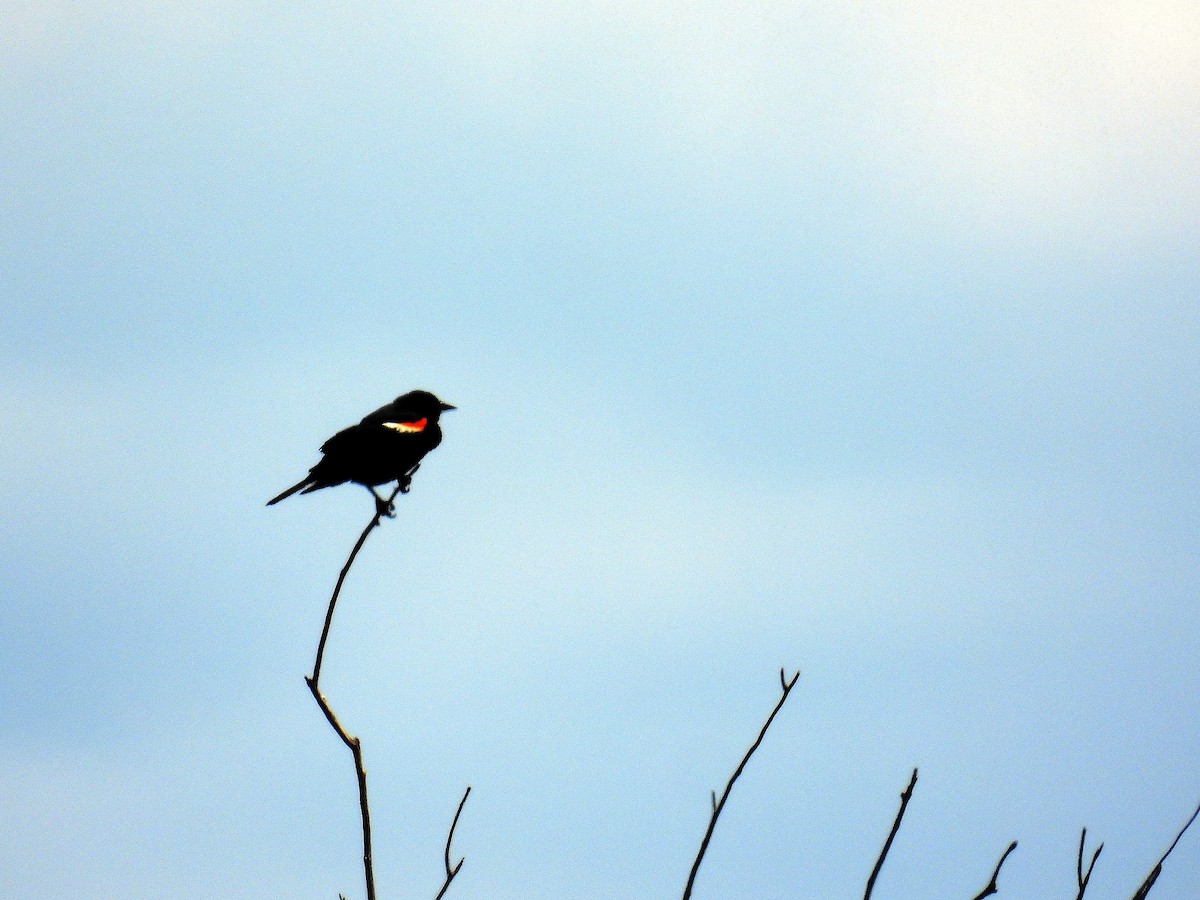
<point x="387" y="445"/>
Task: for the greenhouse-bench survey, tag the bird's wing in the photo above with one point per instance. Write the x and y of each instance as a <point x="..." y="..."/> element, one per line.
<point x="343" y="440"/>
<point x="397" y="418"/>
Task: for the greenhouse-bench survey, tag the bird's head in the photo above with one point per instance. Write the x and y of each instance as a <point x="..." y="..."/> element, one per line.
<point x="424" y="403"/>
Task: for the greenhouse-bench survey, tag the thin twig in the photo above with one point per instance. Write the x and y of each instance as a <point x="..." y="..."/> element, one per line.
<point x="719" y="805"/>
<point x="362" y="539"/>
<point x="348" y="739"/>
<point x="355" y="746"/>
<point x="451" y="872"/>
<point x="905" y="796"/>
<point x="1157" y="870"/>
<point x="991" y="885"/>
<point x="1081" y="876"/>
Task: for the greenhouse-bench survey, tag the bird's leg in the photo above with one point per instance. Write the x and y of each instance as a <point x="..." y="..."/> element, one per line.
<point x="383" y="507"/>
<point x="404" y="482"/>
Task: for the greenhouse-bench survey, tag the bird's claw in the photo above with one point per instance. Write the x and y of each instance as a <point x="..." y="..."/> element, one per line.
<point x="404" y="482"/>
<point x="384" y="508"/>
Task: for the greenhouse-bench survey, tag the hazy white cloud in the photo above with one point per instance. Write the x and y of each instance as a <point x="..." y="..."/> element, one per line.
<point x="993" y="115"/>
<point x="1068" y="120"/>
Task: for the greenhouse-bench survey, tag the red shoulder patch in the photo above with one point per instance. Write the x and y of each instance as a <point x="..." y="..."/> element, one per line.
<point x="409" y="427"/>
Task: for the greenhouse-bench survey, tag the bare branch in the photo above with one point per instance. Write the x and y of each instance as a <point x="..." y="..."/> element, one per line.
<point x="380" y="511"/>
<point x="719" y="805"/>
<point x="1081" y="876"/>
<point x="451" y="872"/>
<point x="1157" y="870"/>
<point x="991" y="885"/>
<point x="905" y="796"/>
<point x="355" y="745"/>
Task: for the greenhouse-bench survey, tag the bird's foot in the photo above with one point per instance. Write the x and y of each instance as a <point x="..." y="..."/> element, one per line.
<point x="404" y="482"/>
<point x="384" y="508"/>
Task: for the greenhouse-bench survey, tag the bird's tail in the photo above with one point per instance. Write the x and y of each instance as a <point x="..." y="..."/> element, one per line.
<point x="298" y="486"/>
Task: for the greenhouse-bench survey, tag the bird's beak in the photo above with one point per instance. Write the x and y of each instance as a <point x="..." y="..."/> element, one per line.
<point x="446" y="406"/>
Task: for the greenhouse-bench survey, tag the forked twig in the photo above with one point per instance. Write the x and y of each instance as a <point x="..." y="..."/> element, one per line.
<point x="355" y="746"/>
<point x="348" y="739"/>
<point x="991" y="885"/>
<point x="1081" y="876"/>
<point x="1157" y="870"/>
<point x="451" y="872"/>
<point x="719" y="805"/>
<point x="905" y="796"/>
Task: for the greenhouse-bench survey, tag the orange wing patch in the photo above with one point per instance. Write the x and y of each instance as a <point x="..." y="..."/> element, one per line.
<point x="409" y="427"/>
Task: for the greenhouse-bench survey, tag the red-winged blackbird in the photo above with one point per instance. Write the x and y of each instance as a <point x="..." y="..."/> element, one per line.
<point x="388" y="445"/>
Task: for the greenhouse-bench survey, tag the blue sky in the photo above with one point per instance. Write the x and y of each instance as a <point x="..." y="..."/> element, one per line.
<point x="859" y="339"/>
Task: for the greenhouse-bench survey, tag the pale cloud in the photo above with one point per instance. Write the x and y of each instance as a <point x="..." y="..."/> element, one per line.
<point x="995" y="114"/>
<point x="1060" y="120"/>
